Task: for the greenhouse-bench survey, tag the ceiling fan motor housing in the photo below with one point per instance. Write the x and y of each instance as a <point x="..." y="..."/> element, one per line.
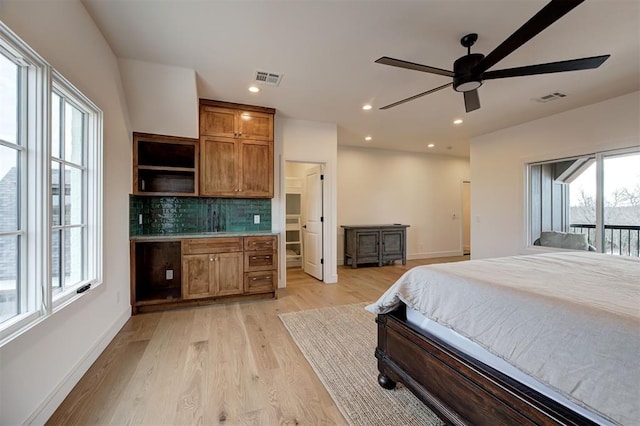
<point x="464" y="80"/>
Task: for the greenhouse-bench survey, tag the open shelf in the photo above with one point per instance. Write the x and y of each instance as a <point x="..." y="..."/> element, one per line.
<point x="165" y="165"/>
<point x="152" y="261"/>
<point x="293" y="243"/>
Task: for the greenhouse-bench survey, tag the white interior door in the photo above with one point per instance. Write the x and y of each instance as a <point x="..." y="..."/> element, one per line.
<point x="312" y="222"/>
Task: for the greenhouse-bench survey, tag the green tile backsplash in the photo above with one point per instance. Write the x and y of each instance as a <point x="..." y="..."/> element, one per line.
<point x="177" y="215"/>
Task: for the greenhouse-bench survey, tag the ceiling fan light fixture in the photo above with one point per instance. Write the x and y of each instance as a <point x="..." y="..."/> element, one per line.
<point x="467" y="86"/>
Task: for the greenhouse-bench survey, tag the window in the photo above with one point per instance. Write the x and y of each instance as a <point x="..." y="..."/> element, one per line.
<point x="597" y="195"/>
<point x="11" y="171"/>
<point x="68" y="180"/>
<point x="50" y="188"/>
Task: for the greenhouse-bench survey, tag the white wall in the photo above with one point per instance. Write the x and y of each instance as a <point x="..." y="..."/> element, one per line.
<point x="421" y="190"/>
<point x="161" y="99"/>
<point x="498" y="165"/>
<point x="309" y="142"/>
<point x="41" y="366"/>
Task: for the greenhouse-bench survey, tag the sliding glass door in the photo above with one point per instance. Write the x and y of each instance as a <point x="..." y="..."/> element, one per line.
<point x="596" y="194"/>
<point x="621" y="204"/>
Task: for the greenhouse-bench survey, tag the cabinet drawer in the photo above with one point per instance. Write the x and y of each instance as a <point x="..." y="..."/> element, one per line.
<point x="260" y="243"/>
<point x="260" y="282"/>
<point x="260" y="260"/>
<point x="211" y="245"/>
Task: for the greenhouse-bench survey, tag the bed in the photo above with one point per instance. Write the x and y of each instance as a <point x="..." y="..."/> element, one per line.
<point x="540" y="339"/>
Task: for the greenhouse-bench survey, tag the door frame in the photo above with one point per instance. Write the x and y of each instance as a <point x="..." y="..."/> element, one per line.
<point x="464" y="220"/>
<point x="283" y="216"/>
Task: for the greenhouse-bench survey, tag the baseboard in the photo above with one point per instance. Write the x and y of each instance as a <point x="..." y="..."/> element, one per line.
<point x="430" y="255"/>
<point x="51" y="403"/>
<point x="416" y="256"/>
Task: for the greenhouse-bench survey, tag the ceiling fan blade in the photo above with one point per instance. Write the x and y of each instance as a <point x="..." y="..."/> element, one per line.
<point x="553" y="11"/>
<point x="551" y="67"/>
<point x="471" y="100"/>
<point x="385" y="60"/>
<point x="419" y="95"/>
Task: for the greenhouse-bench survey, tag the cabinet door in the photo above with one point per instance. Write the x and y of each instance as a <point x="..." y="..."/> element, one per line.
<point x="255" y="125"/>
<point x="218" y="122"/>
<point x="256" y="171"/>
<point x="392" y="244"/>
<point x="197" y="271"/>
<point x="219" y="164"/>
<point x="368" y="246"/>
<point x="228" y="277"/>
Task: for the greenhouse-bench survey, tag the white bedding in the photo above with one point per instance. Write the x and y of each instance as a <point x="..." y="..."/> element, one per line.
<point x="570" y="320"/>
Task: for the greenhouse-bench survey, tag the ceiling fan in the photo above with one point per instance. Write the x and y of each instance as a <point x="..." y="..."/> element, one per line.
<point x="470" y="71"/>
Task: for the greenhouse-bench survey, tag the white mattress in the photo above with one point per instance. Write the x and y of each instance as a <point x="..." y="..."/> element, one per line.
<point x="476" y="351"/>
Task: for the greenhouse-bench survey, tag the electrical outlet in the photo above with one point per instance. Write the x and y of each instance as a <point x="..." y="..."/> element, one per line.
<point x="256" y="219"/>
<point x="168" y="274"/>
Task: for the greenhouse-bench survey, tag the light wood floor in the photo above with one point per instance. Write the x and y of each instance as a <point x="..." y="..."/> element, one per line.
<point x="225" y="364"/>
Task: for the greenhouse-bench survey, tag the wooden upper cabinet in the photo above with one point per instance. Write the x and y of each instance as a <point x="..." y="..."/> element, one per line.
<point x="236" y="150"/>
<point x="219" y="163"/>
<point x="255" y="125"/>
<point x="218" y="122"/>
<point x="256" y="172"/>
<point x="242" y="123"/>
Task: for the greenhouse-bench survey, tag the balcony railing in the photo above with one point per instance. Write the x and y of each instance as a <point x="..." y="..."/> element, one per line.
<point x="622" y="240"/>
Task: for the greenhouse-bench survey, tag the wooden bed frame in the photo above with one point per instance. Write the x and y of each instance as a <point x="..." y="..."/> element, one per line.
<point x="458" y="388"/>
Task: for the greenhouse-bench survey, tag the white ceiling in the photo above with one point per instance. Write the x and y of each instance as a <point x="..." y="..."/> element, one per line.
<point x="326" y="51"/>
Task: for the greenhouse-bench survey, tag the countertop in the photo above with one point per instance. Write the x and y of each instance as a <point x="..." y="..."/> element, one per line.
<point x="168" y="237"/>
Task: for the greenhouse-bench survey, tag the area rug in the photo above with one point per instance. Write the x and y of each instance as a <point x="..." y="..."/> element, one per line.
<point x="339" y="343"/>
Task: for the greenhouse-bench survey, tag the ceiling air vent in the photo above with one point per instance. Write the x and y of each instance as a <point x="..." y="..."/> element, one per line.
<point x="550" y="97"/>
<point x="268" y="78"/>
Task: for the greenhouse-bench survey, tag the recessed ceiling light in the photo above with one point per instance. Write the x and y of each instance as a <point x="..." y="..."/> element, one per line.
<point x="366" y="107"/>
<point x="368" y="138"/>
<point x="431" y="145"/>
<point x="254" y="89"/>
<point x="457" y="121"/>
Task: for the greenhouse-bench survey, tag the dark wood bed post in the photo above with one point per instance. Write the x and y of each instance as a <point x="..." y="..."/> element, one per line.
<point x="458" y="388"/>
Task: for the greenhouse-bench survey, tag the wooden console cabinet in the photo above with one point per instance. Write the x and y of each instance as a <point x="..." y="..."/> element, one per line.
<point x="374" y="244"/>
<point x="175" y="273"/>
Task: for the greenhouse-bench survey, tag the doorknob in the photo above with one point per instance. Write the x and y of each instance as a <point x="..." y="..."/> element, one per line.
<point x="304" y="226"/>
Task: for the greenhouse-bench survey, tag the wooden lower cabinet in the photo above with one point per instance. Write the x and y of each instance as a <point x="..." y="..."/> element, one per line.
<point x="168" y="274"/>
<point x="209" y="275"/>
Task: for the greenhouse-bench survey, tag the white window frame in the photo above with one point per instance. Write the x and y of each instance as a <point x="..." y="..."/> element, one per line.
<point x="91" y="191"/>
<point x="599" y="156"/>
<point x="37" y="299"/>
